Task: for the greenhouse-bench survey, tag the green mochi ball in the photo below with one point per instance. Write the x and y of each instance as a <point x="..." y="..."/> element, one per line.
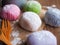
<point x="33" y="6"/>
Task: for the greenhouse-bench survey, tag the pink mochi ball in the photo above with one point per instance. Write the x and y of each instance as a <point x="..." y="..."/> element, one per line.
<point x="10" y="12"/>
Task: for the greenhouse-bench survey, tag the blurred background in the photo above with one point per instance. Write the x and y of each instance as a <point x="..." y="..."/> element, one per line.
<point x="50" y="2"/>
<point x="46" y="2"/>
<point x="0" y="2"/>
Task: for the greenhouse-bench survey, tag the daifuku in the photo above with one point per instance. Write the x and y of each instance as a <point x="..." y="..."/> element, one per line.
<point x="52" y="17"/>
<point x="30" y="21"/>
<point x="41" y="38"/>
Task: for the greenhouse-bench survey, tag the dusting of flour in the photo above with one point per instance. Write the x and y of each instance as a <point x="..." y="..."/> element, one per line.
<point x="16" y="39"/>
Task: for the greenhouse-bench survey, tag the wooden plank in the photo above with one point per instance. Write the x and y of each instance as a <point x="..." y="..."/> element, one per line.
<point x="50" y="2"/>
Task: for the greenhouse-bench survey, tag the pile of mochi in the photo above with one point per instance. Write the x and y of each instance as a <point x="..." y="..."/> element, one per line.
<point x="24" y="11"/>
<point x="27" y="12"/>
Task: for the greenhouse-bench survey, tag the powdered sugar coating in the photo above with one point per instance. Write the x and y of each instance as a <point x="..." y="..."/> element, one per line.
<point x="52" y="17"/>
<point x="10" y="12"/>
<point x="33" y="6"/>
<point x="30" y="21"/>
<point x="42" y="38"/>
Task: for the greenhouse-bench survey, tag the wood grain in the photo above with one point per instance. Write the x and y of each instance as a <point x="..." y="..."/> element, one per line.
<point x="50" y="2"/>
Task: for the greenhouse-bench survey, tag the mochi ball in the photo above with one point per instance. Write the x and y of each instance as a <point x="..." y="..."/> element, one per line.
<point x="33" y="6"/>
<point x="10" y="12"/>
<point x="19" y="3"/>
<point x="30" y="21"/>
<point x="52" y="17"/>
<point x="41" y="38"/>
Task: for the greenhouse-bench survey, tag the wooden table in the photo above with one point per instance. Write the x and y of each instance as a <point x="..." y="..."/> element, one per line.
<point x="50" y="2"/>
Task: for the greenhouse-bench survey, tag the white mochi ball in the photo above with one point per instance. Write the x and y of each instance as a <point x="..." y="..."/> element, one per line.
<point x="52" y="17"/>
<point x="41" y="38"/>
<point x="30" y="21"/>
